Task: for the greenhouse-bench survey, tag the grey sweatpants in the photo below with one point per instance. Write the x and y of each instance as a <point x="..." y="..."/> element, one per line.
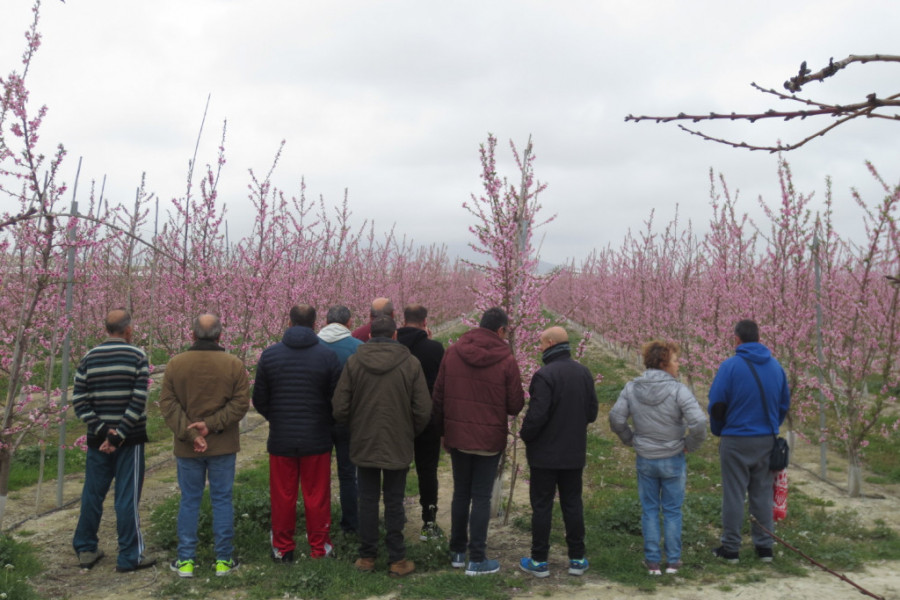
<point x="745" y="474"/>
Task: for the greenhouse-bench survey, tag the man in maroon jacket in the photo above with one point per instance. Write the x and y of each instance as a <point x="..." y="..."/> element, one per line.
<point x="380" y="306"/>
<point x="478" y="387"/>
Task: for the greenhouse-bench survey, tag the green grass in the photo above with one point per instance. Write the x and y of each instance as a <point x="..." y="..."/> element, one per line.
<point x="335" y="579"/>
<point x="25" y="467"/>
<point x="18" y="563"/>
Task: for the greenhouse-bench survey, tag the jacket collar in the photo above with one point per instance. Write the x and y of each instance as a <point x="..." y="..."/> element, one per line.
<point x="206" y="345"/>
<point x="556" y="351"/>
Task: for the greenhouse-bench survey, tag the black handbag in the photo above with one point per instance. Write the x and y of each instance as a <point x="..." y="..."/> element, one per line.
<point x="779" y="457"/>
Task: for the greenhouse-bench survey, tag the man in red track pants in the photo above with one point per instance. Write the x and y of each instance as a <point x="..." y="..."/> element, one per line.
<point x="295" y="379"/>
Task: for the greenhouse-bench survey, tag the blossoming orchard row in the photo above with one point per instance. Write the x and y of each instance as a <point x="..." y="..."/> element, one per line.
<point x="793" y="274"/>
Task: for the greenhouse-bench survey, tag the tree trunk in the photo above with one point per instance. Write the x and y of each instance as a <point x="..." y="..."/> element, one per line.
<point x="40" y="481"/>
<point x="5" y="463"/>
<point x="497" y="492"/>
<point x="854" y="472"/>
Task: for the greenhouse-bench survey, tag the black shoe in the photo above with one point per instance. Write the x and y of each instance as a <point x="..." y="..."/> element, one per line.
<point x="283" y="557"/>
<point x="143" y="563"/>
<point x="729" y="557"/>
<point x="764" y="554"/>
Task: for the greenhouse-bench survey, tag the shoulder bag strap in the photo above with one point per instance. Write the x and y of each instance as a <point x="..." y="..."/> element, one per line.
<point x="761" y="393"/>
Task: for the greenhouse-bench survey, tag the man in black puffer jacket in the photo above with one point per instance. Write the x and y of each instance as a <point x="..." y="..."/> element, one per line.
<point x="563" y="401"/>
<point x="295" y="380"/>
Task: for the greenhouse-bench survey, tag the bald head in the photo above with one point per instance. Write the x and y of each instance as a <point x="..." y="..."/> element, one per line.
<point x="118" y="324"/>
<point x="118" y="321"/>
<point x="381" y="306"/>
<point x="553" y="336"/>
<point x="207" y="327"/>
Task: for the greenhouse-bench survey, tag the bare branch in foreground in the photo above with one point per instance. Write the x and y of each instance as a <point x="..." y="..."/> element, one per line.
<point x="813" y="561"/>
<point x="839" y="113"/>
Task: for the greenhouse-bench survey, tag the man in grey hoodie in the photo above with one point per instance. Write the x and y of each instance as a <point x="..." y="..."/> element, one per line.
<point x="336" y="335"/>
<point x="661" y="408"/>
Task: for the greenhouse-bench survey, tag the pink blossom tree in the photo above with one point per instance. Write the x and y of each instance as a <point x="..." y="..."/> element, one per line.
<point x="506" y="217"/>
<point x="32" y="242"/>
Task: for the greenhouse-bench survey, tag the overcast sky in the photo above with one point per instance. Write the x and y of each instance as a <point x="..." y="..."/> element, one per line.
<point x="390" y="100"/>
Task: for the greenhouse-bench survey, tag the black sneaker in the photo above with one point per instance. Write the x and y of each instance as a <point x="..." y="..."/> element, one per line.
<point x="764" y="554"/>
<point x="730" y="557"/>
<point x="282" y="557"/>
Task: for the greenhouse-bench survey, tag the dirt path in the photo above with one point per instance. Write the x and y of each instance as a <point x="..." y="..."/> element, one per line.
<point x="63" y="579"/>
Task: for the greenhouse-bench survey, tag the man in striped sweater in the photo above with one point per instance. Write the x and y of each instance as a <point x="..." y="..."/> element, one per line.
<point x="110" y="396"/>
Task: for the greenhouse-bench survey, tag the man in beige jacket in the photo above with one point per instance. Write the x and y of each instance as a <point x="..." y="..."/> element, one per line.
<point x="205" y="395"/>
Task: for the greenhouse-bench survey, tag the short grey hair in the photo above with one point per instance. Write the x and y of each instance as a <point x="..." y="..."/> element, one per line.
<point x="209" y="334"/>
<point x="337" y="314"/>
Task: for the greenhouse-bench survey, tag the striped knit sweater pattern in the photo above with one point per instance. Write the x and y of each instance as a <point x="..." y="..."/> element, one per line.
<point x="111" y="392"/>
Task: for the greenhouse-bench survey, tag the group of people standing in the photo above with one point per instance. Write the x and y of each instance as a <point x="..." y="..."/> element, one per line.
<point x="384" y="397"/>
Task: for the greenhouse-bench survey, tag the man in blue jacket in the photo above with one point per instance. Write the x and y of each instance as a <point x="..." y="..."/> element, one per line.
<point x="295" y="379"/>
<point x="747" y="424"/>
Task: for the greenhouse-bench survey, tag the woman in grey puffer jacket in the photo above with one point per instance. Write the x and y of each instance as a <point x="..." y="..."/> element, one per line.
<point x="667" y="422"/>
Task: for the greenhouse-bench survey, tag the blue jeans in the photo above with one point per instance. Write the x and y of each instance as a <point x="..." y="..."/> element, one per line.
<point x="470" y="509"/>
<point x="126" y="466"/>
<point x="192" y="473"/>
<point x="661" y="489"/>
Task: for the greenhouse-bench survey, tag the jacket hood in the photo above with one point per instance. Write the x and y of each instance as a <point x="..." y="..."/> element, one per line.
<point x="754" y="352"/>
<point x="481" y="347"/>
<point x="653" y="387"/>
<point x="409" y="336"/>
<point x="333" y="332"/>
<point x="299" y="337"/>
<point x="378" y="355"/>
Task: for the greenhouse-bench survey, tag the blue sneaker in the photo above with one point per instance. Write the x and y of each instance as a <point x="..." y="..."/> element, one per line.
<point x="457" y="560"/>
<point x="538" y="569"/>
<point x="577" y="566"/>
<point x="485" y="567"/>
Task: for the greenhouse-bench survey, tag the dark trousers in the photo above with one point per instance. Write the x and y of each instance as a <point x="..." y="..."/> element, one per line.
<point x="470" y="510"/>
<point x="372" y="484"/>
<point x="746" y="475"/>
<point x="544" y="483"/>
<point x="428" y="453"/>
<point x="340" y="435"/>
<point x="126" y="466"/>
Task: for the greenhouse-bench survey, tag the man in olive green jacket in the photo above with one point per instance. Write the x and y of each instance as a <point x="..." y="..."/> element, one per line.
<point x="383" y="396"/>
<point x="205" y="394"/>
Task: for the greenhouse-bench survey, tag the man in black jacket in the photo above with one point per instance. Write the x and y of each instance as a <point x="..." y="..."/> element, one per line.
<point x="295" y="380"/>
<point x="563" y="402"/>
<point x="415" y="335"/>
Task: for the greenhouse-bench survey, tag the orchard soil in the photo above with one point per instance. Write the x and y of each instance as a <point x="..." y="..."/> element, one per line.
<point x="50" y="530"/>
